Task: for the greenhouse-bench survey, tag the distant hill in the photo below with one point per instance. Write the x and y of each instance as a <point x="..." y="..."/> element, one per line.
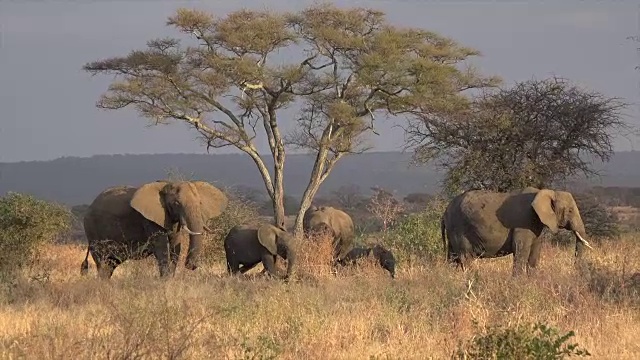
<point x="75" y="180"/>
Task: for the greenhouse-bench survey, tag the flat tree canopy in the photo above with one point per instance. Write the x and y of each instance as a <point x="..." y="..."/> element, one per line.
<point x="343" y="67"/>
<point x="537" y="133"/>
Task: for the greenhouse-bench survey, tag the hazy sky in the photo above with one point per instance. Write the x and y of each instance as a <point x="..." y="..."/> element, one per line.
<point x="47" y="103"/>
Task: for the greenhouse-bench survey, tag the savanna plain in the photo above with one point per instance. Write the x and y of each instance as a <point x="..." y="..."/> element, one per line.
<point x="430" y="311"/>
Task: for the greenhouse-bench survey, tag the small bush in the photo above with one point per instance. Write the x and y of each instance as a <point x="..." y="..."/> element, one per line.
<point x="315" y="255"/>
<point x="25" y="224"/>
<point x="418" y="234"/>
<point x="523" y="342"/>
<point x="238" y="211"/>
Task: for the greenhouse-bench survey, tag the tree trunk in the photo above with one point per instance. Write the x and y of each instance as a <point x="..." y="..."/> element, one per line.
<point x="319" y="173"/>
<point x="278" y="204"/>
<point x="305" y="203"/>
<point x="275" y="187"/>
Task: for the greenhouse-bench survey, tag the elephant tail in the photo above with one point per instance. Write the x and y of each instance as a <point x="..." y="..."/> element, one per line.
<point x="84" y="268"/>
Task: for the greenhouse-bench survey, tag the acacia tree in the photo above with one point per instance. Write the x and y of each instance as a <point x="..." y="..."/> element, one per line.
<point x="537" y="133"/>
<point x="342" y="67"/>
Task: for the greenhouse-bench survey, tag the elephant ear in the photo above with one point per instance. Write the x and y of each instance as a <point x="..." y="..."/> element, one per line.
<point x="212" y="200"/>
<point x="148" y="202"/>
<point x="543" y="204"/>
<point x="267" y="235"/>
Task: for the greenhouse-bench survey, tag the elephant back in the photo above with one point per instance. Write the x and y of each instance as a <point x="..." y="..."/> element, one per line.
<point x="339" y="221"/>
<point x="113" y="201"/>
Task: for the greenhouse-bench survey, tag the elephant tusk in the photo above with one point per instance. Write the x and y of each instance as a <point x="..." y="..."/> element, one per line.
<point x="191" y="232"/>
<point x="585" y="242"/>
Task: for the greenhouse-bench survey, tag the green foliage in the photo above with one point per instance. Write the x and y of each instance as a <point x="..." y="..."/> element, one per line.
<point x="523" y="342"/>
<point x="26" y="223"/>
<point x="418" y="234"/>
<point x="344" y="66"/>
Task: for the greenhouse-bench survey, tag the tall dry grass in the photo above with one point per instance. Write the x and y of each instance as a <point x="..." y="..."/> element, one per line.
<point x="355" y="314"/>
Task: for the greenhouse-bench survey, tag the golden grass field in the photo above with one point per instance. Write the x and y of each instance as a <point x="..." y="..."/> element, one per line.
<point x="356" y="314"/>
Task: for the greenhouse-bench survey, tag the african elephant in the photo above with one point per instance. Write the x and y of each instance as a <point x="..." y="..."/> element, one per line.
<point x="385" y="258"/>
<point x="126" y="222"/>
<point x="485" y="224"/>
<point x="248" y="245"/>
<point x="334" y="221"/>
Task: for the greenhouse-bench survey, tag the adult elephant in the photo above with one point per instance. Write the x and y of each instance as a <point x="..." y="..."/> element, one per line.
<point x="126" y="222"/>
<point x="246" y="246"/>
<point x="334" y="221"/>
<point x="485" y="224"/>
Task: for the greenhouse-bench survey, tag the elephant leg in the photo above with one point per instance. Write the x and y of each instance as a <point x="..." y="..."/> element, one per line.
<point x="107" y="266"/>
<point x="534" y="256"/>
<point x="462" y="261"/>
<point x="105" y="271"/>
<point x="521" y="249"/>
<point x="174" y="256"/>
<point x="233" y="266"/>
<point x="275" y="261"/>
<point x="460" y="253"/>
<point x="162" y="253"/>
<point x="269" y="264"/>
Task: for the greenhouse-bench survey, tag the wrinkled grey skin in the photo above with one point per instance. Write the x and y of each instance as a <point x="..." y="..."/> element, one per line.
<point x="246" y="246"/>
<point x="385" y="257"/>
<point x="334" y="221"/>
<point x="125" y="222"/>
<point x="484" y="224"/>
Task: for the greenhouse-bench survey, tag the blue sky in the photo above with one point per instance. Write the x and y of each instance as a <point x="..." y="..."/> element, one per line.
<point x="47" y="103"/>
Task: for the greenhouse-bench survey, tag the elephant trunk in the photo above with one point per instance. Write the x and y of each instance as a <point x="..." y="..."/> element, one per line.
<point x="290" y="256"/>
<point x="193" y="224"/>
<point x="581" y="238"/>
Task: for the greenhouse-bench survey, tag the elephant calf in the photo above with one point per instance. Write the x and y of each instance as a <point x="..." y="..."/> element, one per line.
<point x="248" y="245"/>
<point x="385" y="257"/>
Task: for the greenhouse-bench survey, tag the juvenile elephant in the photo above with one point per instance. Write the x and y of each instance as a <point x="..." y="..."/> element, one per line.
<point x="485" y="224"/>
<point x="385" y="258"/>
<point x="125" y="222"/>
<point x="248" y="245"/>
<point x="334" y="221"/>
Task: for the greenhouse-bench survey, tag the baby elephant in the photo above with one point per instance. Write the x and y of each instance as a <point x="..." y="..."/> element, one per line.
<point x="385" y="257"/>
<point x="248" y="245"/>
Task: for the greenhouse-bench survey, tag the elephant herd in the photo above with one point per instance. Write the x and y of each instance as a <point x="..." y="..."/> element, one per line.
<point x="125" y="222"/>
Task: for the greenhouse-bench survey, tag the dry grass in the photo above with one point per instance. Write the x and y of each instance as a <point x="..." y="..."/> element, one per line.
<point x="358" y="314"/>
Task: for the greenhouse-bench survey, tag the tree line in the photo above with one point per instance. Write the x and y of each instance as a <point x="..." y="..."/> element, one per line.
<point x="346" y="70"/>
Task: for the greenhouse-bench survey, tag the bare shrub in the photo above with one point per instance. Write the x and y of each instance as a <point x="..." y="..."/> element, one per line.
<point x="239" y="211"/>
<point x="610" y="277"/>
<point x="384" y="207"/>
<point x="315" y="255"/>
